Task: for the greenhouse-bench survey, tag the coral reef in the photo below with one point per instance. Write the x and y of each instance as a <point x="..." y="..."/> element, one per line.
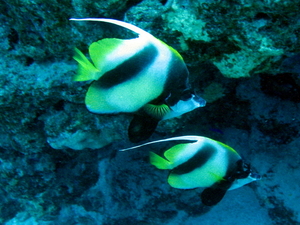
<point x="59" y="164"/>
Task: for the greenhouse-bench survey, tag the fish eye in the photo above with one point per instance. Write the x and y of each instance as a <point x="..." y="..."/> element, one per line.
<point x="243" y="170"/>
<point x="255" y="176"/>
<point x="245" y="167"/>
<point x="186" y="95"/>
<point x="244" y="174"/>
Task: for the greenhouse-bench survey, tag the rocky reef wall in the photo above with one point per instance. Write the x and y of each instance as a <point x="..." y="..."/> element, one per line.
<point x="60" y="163"/>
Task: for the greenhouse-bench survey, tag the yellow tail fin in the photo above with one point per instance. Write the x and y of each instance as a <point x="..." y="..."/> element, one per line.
<point x="86" y="70"/>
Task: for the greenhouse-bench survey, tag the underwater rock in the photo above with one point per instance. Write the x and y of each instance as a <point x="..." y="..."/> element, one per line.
<point x="291" y="64"/>
<point x="27" y="93"/>
<point x="243" y="62"/>
<point x="182" y="17"/>
<point x="282" y="85"/>
<point x="213" y="92"/>
<point x="40" y="30"/>
<point x="246" y="33"/>
<point x="79" y="140"/>
<point x="39" y="102"/>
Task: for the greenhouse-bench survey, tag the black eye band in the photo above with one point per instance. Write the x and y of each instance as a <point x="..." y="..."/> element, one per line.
<point x="186" y="95"/>
<point x="243" y="170"/>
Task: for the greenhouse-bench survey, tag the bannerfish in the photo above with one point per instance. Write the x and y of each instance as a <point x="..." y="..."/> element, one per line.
<point x="203" y="163"/>
<point x="142" y="75"/>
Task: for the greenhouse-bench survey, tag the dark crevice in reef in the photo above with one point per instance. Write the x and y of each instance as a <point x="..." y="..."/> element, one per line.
<point x="282" y="85"/>
<point x="281" y="133"/>
<point x="280" y="214"/>
<point x="131" y="3"/>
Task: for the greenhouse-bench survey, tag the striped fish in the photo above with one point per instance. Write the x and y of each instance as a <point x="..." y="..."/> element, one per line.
<point x="205" y="163"/>
<point x="142" y="75"/>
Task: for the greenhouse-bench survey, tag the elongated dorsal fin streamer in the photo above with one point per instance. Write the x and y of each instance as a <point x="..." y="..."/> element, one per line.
<point x="180" y="138"/>
<point x="119" y="23"/>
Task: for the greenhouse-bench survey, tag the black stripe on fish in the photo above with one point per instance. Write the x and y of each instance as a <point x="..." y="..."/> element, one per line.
<point x="196" y="161"/>
<point x="176" y="83"/>
<point x="129" y="68"/>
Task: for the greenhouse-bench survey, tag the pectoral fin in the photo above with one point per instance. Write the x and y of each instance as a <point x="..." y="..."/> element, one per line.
<point x="157" y="111"/>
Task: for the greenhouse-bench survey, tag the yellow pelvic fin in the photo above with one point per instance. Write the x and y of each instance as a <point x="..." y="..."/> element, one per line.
<point x="157" y="111"/>
<point x="86" y="70"/>
<point x="159" y="162"/>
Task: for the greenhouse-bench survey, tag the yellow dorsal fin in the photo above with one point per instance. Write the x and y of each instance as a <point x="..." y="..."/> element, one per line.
<point x="106" y="54"/>
<point x="99" y="52"/>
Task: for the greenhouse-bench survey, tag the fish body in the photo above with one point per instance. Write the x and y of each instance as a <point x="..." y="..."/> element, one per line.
<point x="142" y="75"/>
<point x="203" y="163"/>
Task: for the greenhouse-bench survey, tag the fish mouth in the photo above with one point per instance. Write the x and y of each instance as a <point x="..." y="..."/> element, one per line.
<point x="199" y="101"/>
<point x="188" y="96"/>
<point x="255" y="176"/>
<point x="184" y="106"/>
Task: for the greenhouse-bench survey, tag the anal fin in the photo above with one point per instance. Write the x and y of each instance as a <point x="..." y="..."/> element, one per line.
<point x="212" y="196"/>
<point x="141" y="128"/>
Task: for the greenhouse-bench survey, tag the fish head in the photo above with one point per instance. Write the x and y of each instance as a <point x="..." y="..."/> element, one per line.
<point x="188" y="102"/>
<point x="243" y="175"/>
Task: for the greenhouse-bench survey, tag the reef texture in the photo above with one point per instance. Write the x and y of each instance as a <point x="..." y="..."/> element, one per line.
<point x="59" y="164"/>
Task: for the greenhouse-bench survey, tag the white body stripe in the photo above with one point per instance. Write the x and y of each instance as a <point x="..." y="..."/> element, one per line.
<point x="120" y="54"/>
<point x="206" y="175"/>
<point x="187" y="152"/>
<point x="131" y="95"/>
<point x="146" y="86"/>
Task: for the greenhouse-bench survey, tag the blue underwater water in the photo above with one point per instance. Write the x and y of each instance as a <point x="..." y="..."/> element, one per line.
<point x="61" y="164"/>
